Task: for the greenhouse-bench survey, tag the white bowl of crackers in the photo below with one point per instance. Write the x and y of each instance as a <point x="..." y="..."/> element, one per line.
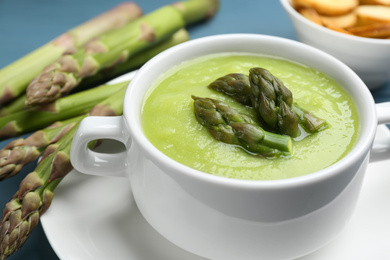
<point x="357" y="32"/>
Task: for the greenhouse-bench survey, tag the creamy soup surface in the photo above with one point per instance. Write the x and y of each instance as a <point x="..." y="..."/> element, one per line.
<point x="169" y="122"/>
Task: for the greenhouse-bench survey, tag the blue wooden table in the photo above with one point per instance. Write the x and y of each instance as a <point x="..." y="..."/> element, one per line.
<point x="27" y="24"/>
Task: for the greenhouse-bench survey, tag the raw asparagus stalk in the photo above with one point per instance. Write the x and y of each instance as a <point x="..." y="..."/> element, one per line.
<point x="16" y="105"/>
<point x="111" y="48"/>
<point x="136" y="61"/>
<point x="238" y="87"/>
<point x="21" y="214"/>
<point x="111" y="72"/>
<point x="15" y="77"/>
<point x="229" y="126"/>
<point x="198" y="10"/>
<point x="67" y="107"/>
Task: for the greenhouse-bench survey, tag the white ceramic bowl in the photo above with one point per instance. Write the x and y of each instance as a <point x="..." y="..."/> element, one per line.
<point x="369" y="58"/>
<point x="220" y="218"/>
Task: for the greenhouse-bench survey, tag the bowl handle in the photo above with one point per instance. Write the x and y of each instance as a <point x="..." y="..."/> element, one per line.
<point x="383" y="112"/>
<point x="93" y="162"/>
<point x="381" y="148"/>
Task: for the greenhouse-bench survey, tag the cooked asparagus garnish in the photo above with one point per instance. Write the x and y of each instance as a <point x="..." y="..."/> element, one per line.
<point x="235" y="85"/>
<point x="238" y="87"/>
<point x="272" y="101"/>
<point x="229" y="126"/>
<point x="309" y="122"/>
<point x="111" y="48"/>
<point x="67" y="107"/>
<point x="12" y="84"/>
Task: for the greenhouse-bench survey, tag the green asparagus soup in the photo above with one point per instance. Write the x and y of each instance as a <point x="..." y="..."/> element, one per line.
<point x="170" y="124"/>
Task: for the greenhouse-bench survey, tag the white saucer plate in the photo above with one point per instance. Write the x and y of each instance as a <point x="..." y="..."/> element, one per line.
<point x="96" y="218"/>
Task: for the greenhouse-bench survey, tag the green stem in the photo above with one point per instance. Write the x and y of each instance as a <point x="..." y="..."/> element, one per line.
<point x="67" y="107"/>
<point x="20" y="152"/>
<point x="195" y="11"/>
<point x="136" y="61"/>
<point x="16" y="105"/>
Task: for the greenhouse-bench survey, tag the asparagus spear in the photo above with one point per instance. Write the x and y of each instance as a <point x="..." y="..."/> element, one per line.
<point x="229" y="126"/>
<point x="21" y="214"/>
<point x="70" y="106"/>
<point x="235" y="85"/>
<point x="111" y="72"/>
<point x="272" y="101"/>
<point x="309" y="122"/>
<point x="198" y="10"/>
<point x="111" y="48"/>
<point x="12" y="84"/>
<point x="137" y="60"/>
<point x="238" y="87"/>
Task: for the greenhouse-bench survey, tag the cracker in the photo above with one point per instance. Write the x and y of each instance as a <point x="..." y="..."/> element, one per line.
<point x="311" y="14"/>
<point x="372" y="14"/>
<point x="342" y="21"/>
<point x="375" y="2"/>
<point x="371" y="30"/>
<point x="338" y="29"/>
<point x="329" y="7"/>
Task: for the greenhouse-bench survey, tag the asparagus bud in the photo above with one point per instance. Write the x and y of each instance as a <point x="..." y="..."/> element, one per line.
<point x="235" y="85"/>
<point x="229" y="126"/>
<point x="310" y="122"/>
<point x="238" y="87"/>
<point x="272" y="101"/>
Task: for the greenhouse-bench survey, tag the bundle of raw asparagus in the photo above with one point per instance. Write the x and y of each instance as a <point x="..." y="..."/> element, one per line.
<point x="62" y="84"/>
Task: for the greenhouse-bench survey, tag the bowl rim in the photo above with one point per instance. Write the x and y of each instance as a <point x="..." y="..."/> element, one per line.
<point x="134" y="124"/>
<point x="286" y="4"/>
